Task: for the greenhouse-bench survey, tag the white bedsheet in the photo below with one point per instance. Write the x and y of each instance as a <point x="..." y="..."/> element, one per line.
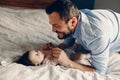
<point x="22" y="30"/>
<point x="50" y="72"/>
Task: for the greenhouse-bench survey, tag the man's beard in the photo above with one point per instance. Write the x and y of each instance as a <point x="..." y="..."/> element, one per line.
<point x="65" y="35"/>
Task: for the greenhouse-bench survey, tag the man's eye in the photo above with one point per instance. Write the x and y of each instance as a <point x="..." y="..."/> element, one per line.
<point x="56" y="26"/>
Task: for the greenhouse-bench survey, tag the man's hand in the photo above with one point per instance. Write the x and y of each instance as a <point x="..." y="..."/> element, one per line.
<point x="59" y="56"/>
<point x="48" y="46"/>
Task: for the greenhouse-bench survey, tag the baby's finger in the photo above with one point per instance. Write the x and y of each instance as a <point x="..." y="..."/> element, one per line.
<point x="45" y="47"/>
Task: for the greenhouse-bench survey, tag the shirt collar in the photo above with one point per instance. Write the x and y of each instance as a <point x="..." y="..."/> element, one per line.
<point x="82" y="21"/>
<point x="77" y="29"/>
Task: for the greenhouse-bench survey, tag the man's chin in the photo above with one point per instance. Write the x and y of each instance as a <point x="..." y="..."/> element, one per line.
<point x="64" y="37"/>
<point x="60" y="37"/>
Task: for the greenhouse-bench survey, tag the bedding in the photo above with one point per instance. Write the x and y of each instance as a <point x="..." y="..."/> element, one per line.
<point x="25" y="29"/>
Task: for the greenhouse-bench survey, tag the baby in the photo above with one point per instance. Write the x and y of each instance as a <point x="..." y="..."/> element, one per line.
<point x="36" y="58"/>
<point x="44" y="56"/>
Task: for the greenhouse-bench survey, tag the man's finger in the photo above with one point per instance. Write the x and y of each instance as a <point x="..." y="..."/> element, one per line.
<point x="55" y="55"/>
<point x="56" y="50"/>
<point x="55" y="59"/>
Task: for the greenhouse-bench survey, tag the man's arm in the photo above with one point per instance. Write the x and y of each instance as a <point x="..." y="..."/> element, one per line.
<point x="59" y="56"/>
<point x="82" y="67"/>
<point x="79" y="56"/>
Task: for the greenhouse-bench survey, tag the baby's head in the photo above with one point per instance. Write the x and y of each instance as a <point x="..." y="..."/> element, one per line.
<point x="31" y="58"/>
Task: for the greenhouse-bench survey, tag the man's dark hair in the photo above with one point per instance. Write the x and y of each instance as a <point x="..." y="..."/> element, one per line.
<point x="24" y="59"/>
<point x="65" y="8"/>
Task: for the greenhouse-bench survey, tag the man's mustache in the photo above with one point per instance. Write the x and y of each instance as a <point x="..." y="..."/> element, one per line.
<point x="58" y="32"/>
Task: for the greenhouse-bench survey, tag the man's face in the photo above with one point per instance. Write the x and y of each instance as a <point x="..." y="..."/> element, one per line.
<point x="59" y="25"/>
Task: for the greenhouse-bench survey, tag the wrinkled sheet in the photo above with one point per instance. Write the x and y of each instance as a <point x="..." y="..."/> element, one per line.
<point x="26" y="29"/>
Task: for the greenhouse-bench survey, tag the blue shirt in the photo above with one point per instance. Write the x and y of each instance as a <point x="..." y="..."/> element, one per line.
<point x="98" y="32"/>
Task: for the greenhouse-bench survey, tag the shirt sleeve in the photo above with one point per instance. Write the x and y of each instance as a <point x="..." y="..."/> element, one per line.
<point x="100" y="53"/>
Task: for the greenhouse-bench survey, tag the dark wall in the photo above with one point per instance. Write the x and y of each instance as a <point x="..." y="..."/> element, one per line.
<point x="108" y="4"/>
<point x="84" y="4"/>
<point x="26" y="3"/>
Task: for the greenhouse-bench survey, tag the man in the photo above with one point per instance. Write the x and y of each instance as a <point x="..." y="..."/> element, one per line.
<point x="97" y="31"/>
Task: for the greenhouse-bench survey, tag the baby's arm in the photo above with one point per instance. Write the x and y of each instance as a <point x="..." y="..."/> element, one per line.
<point x="48" y="46"/>
<point x="67" y="43"/>
<point x="47" y="53"/>
<point x="48" y="57"/>
<point x="62" y="46"/>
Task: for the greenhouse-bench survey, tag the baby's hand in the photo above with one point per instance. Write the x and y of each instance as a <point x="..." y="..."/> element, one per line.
<point x="48" y="46"/>
<point x="62" y="46"/>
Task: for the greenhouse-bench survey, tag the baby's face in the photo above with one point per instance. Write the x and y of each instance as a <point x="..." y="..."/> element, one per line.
<point x="36" y="57"/>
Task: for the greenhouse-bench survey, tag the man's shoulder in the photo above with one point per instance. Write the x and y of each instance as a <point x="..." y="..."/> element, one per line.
<point x="94" y="10"/>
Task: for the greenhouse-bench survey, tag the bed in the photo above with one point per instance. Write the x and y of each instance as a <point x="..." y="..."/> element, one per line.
<point x="23" y="29"/>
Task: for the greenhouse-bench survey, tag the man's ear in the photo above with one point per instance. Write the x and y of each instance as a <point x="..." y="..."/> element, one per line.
<point x="73" y="22"/>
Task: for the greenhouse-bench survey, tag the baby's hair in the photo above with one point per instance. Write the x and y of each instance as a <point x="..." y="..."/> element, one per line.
<point x="24" y="59"/>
